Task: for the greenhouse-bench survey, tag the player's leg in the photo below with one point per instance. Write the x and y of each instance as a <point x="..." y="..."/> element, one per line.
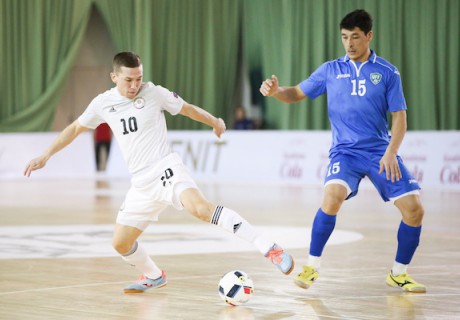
<point x="341" y="182"/>
<point x="194" y="201"/>
<point x="409" y="232"/>
<point x="405" y="195"/>
<point x="125" y="243"/>
<point x="97" y="151"/>
<point x="323" y="226"/>
<point x="139" y="209"/>
<point x="324" y="222"/>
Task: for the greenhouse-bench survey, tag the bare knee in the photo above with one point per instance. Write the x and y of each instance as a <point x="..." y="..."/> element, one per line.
<point x="331" y="205"/>
<point x="414" y="216"/>
<point x="122" y="247"/>
<point x="411" y="209"/>
<point x="124" y="238"/>
<point x="334" y="196"/>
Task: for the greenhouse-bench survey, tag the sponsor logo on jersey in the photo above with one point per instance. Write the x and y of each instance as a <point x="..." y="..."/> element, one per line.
<point x="376" y="77"/>
<point x="139" y="103"/>
<point x="112" y="109"/>
<point x="343" y="76"/>
<point x="175" y="95"/>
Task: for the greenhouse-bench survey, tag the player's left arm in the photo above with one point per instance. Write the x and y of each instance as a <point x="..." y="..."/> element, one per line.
<point x="389" y="162"/>
<point x="201" y="115"/>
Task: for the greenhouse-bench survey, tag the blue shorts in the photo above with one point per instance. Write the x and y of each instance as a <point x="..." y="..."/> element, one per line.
<point x="348" y="170"/>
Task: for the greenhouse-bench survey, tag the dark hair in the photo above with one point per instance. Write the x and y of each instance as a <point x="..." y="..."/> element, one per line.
<point x="126" y="59"/>
<point x="359" y="18"/>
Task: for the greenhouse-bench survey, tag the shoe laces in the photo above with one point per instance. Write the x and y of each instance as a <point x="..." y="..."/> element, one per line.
<point x="275" y="255"/>
<point x="307" y="271"/>
<point x="141" y="277"/>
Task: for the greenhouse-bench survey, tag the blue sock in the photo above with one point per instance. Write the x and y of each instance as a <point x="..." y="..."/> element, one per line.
<point x="323" y="225"/>
<point x="408" y="240"/>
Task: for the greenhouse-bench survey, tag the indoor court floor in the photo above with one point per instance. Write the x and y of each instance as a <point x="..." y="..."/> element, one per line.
<point x="56" y="259"/>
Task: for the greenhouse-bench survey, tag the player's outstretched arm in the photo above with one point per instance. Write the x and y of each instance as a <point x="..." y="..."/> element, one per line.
<point x="271" y="88"/>
<point x="201" y="115"/>
<point x="64" y="138"/>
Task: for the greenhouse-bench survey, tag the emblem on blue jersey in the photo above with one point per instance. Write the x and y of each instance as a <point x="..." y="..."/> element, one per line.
<point x="376" y="77"/>
<point x="139" y="103"/>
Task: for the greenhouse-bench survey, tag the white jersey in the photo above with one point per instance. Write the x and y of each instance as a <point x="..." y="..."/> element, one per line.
<point x="138" y="124"/>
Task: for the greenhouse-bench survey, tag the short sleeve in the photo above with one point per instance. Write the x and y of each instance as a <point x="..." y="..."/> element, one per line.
<point x="315" y="85"/>
<point x="171" y="101"/>
<point x="395" y="95"/>
<point x="90" y="118"/>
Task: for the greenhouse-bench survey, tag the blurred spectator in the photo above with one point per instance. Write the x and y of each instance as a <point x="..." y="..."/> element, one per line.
<point x="102" y="140"/>
<point x="241" y="121"/>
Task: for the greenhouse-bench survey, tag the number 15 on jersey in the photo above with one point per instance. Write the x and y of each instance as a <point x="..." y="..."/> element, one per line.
<point x="333" y="168"/>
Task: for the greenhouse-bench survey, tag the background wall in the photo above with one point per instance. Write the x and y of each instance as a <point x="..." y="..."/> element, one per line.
<point x="90" y="73"/>
<point x="203" y="49"/>
<point x="264" y="156"/>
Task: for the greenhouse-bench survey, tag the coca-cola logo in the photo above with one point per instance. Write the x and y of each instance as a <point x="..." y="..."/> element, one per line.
<point x="292" y="166"/>
<point x="450" y="171"/>
<point x="291" y="170"/>
<point x="450" y="174"/>
<point x="417" y="173"/>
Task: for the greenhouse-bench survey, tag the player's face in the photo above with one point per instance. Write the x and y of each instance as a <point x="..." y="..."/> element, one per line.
<point x="128" y="81"/>
<point x="356" y="44"/>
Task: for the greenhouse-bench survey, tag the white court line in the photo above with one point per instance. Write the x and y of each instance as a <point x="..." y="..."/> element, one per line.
<point x="86" y="241"/>
<point x="99" y="284"/>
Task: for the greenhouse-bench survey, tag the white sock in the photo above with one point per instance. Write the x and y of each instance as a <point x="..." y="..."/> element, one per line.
<point x="398" y="268"/>
<point x="234" y="223"/>
<point x="314" y="262"/>
<point x="139" y="258"/>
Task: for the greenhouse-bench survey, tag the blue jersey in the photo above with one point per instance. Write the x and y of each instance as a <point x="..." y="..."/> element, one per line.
<point x="359" y="96"/>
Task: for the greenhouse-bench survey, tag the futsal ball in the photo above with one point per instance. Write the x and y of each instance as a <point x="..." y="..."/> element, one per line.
<point x="236" y="287"/>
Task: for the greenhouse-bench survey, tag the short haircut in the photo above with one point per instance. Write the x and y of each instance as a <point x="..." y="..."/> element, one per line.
<point x="126" y="59"/>
<point x="359" y="18"/>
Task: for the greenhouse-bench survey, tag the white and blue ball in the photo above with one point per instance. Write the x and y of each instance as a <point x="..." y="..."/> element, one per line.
<point x="236" y="287"/>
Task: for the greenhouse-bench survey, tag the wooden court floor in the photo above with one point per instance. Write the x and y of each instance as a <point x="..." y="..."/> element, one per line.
<point x="56" y="261"/>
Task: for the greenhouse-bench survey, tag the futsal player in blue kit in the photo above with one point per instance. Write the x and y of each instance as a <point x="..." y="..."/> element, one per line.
<point x="361" y="89"/>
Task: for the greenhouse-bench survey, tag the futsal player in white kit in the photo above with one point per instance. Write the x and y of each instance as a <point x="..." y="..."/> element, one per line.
<point x="134" y="110"/>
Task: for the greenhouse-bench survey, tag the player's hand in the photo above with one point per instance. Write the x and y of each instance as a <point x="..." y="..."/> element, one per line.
<point x="270" y="86"/>
<point x="390" y="164"/>
<point x="219" y="127"/>
<point x="35" y="164"/>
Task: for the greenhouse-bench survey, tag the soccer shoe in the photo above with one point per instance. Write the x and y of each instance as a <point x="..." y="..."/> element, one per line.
<point x="405" y="282"/>
<point x="306" y="277"/>
<point x="280" y="259"/>
<point x="145" y="283"/>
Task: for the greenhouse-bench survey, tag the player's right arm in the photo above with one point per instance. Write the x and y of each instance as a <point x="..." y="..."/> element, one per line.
<point x="271" y="88"/>
<point x="64" y="139"/>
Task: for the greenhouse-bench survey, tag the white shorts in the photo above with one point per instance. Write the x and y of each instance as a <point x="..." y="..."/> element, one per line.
<point x="153" y="190"/>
